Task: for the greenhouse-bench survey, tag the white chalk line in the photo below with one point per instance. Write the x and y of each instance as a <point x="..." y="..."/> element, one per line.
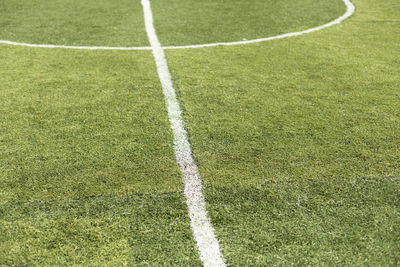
<point x="349" y="11"/>
<point x="203" y="233"/>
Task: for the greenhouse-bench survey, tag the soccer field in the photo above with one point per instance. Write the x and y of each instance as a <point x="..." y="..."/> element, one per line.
<point x="291" y="109"/>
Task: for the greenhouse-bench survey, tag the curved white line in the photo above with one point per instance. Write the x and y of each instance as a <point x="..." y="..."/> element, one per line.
<point x="349" y="11"/>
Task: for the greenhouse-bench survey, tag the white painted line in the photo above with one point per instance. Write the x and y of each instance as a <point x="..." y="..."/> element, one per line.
<point x="203" y="233"/>
<point x="76" y="47"/>
<point x="349" y="11"/>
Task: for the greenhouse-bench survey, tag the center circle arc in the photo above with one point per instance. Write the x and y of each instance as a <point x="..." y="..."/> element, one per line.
<point x="349" y="11"/>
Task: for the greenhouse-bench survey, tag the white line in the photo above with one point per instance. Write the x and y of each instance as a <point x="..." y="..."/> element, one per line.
<point x="76" y="47"/>
<point x="203" y="233"/>
<point x="349" y="11"/>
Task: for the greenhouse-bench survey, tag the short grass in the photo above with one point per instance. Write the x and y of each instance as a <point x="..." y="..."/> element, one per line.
<point x="210" y="21"/>
<point x="88" y="174"/>
<point x="120" y="23"/>
<point x="318" y="222"/>
<point x="273" y="123"/>
<point x="128" y="230"/>
<point x="297" y="140"/>
<point x="73" y="22"/>
<point x="82" y="123"/>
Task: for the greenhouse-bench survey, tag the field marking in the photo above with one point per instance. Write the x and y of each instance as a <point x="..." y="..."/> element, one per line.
<point x="76" y="47"/>
<point x="203" y="233"/>
<point x="349" y="11"/>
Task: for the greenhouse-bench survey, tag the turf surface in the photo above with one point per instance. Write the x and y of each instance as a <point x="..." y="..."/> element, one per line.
<point x="297" y="140"/>
<point x="129" y="230"/>
<point x="88" y="174"/>
<point x="320" y="109"/>
<point x="319" y="222"/>
<point x="73" y="22"/>
<point x="210" y="21"/>
<point x="120" y="23"/>
<point x="82" y="123"/>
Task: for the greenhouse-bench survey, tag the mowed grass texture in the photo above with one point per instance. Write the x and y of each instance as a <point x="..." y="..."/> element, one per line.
<point x="88" y="173"/>
<point x="210" y="21"/>
<point x="73" y="22"/>
<point x="82" y="123"/>
<point x="297" y="141"/>
<point x="319" y="222"/>
<point x="127" y="230"/>
<point x="120" y="23"/>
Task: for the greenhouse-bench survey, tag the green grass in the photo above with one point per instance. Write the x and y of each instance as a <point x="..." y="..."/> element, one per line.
<point x="88" y="174"/>
<point x="73" y="22"/>
<point x="320" y="105"/>
<point x="321" y="108"/>
<point x="210" y="21"/>
<point x="81" y="123"/>
<point x="297" y="140"/>
<point x="120" y="23"/>
<point x="325" y="222"/>
<point x="129" y="230"/>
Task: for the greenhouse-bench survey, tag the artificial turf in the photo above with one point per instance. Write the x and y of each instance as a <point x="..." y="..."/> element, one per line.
<point x="210" y="21"/>
<point x="317" y="222"/>
<point x="80" y="123"/>
<point x="88" y="174"/>
<point x="120" y="23"/>
<point x="126" y="230"/>
<point x="297" y="140"/>
<point x="320" y="109"/>
<point x="73" y="22"/>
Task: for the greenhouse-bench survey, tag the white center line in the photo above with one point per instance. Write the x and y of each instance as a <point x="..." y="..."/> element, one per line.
<point x="203" y="233"/>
